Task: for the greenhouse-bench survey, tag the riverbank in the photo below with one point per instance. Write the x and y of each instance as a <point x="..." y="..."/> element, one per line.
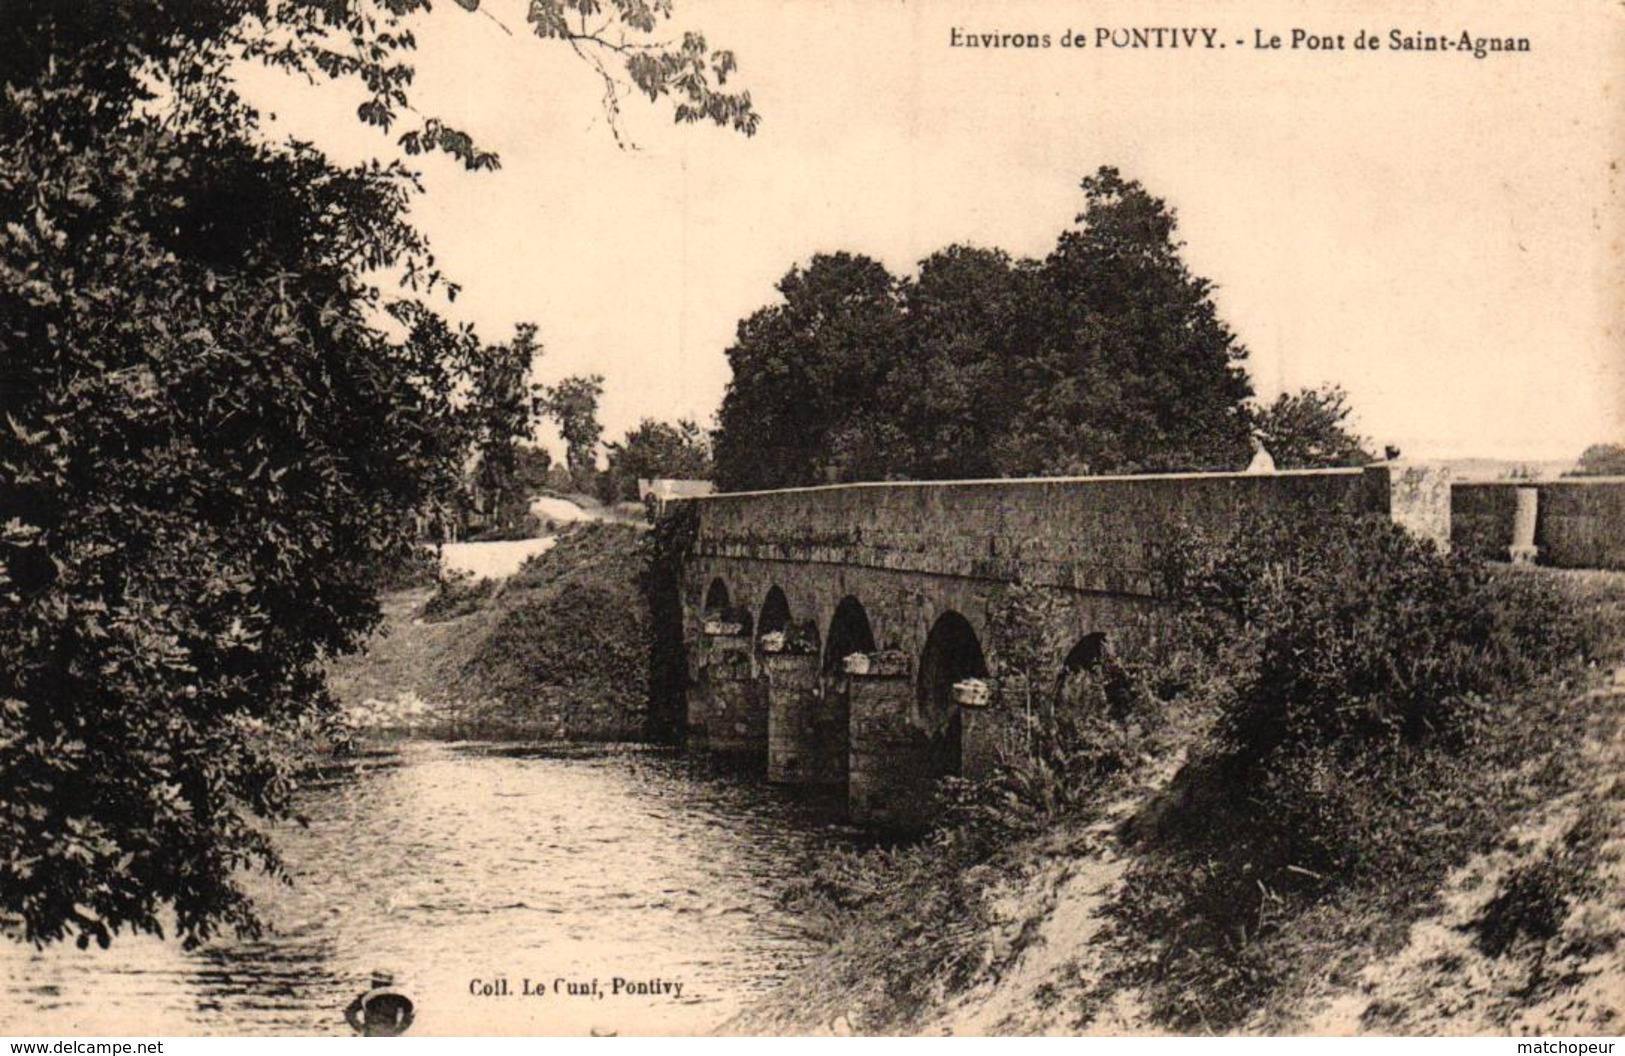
<point x="558" y="650"/>
<point x="1504" y="913"/>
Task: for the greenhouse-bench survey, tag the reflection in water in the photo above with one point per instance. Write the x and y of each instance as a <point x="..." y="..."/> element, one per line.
<point x="477" y="867"/>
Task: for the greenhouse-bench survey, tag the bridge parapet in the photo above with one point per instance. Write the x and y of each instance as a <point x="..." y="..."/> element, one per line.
<point x="1100" y="534"/>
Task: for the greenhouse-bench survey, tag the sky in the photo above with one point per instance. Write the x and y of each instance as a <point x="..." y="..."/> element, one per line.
<point x="1444" y="236"/>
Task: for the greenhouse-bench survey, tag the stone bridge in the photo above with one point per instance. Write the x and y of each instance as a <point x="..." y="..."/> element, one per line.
<point x="847" y="636"/>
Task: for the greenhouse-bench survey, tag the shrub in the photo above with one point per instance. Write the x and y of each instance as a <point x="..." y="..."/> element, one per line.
<point x="1088" y="731"/>
<point x="914" y="918"/>
<point x="419" y="568"/>
<point x="1345" y="627"/>
<point x="1534" y="899"/>
<point x="457" y="593"/>
<point x="523" y="525"/>
<point x="1362" y="746"/>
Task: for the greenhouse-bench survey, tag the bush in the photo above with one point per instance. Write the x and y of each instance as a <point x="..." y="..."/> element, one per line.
<point x="1534" y="899"/>
<point x="915" y="919"/>
<point x="1352" y="628"/>
<point x="420" y="568"/>
<point x="523" y="525"/>
<point x="1363" y="746"/>
<point x="1087" y="733"/>
<point x="457" y="593"/>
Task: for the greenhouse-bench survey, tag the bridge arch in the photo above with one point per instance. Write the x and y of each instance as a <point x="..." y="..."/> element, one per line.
<point x="726" y="709"/>
<point x="849" y="632"/>
<point x="775" y="612"/>
<point x="952" y="653"/>
<point x="721" y="608"/>
<point x="716" y="597"/>
<point x="1091" y="677"/>
<point x="1086" y="654"/>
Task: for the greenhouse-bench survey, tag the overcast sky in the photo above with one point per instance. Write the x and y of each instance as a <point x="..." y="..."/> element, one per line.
<point x="1440" y="234"/>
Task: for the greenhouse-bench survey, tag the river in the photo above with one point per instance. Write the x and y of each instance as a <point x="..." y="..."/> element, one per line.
<point x="466" y="869"/>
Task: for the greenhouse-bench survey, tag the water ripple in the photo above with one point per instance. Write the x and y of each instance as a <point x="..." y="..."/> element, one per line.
<point x="474" y="862"/>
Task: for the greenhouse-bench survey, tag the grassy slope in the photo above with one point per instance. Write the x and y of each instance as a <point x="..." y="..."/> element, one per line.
<point x="557" y="650"/>
<point x="1525" y="936"/>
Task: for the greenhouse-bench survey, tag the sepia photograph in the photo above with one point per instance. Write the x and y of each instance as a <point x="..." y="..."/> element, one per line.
<point x="786" y="518"/>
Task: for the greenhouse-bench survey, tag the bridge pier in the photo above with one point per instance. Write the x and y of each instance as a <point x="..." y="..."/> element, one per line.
<point x="806" y="728"/>
<point x="895" y="766"/>
<point x="728" y="710"/>
<point x="985" y="731"/>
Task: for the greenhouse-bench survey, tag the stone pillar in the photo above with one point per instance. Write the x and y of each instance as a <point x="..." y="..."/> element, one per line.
<point x="892" y="775"/>
<point x="806" y="728"/>
<point x="698" y="698"/>
<point x="729" y="710"/>
<point x="1415" y="497"/>
<point x="1523" y="550"/>
<point x="987" y="727"/>
<point x="982" y="729"/>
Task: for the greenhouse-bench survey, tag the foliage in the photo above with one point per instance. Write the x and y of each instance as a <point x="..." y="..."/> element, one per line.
<point x="212" y="448"/>
<point x="420" y="568"/>
<point x="573" y="404"/>
<point x="1059" y="760"/>
<point x="532" y="465"/>
<point x="911" y="921"/>
<point x="566" y="654"/>
<point x="949" y="402"/>
<point x="1135" y="370"/>
<point x="1601" y="460"/>
<point x="1350" y="627"/>
<point x="622" y="31"/>
<point x="517" y="523"/>
<point x="504" y="407"/>
<point x="1357" y="753"/>
<point x="457" y="593"/>
<point x="1534" y="898"/>
<point x="209" y="452"/>
<point x="803" y="371"/>
<point x="1108" y="356"/>
<point x="655" y="449"/>
<point x="1309" y="430"/>
<point x="665" y="549"/>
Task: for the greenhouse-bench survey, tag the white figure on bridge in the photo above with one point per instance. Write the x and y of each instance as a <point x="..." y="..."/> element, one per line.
<point x="1262" y="461"/>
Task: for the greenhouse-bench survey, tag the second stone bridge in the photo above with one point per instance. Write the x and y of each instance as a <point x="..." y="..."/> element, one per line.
<point x="846" y="635"/>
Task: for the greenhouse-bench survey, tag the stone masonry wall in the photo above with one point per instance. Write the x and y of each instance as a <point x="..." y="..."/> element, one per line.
<point x="1103" y="534"/>
<point x="1580" y="522"/>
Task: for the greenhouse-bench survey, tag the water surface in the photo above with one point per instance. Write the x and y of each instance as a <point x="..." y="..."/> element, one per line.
<point x="461" y="868"/>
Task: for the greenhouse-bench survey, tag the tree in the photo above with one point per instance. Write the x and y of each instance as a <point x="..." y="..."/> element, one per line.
<point x="1601" y="460"/>
<point x="1133" y="370"/>
<point x="504" y="406"/>
<point x="573" y="404"/>
<point x="963" y="384"/>
<point x="807" y="374"/>
<point x="656" y="449"/>
<point x="210" y="447"/>
<point x="1107" y="357"/>
<point x="1308" y="430"/>
<point x="533" y="464"/>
